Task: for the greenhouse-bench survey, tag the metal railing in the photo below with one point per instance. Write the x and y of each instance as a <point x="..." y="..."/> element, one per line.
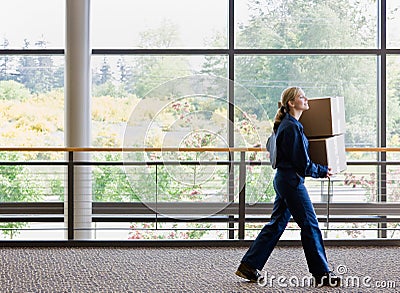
<point x="236" y="212"/>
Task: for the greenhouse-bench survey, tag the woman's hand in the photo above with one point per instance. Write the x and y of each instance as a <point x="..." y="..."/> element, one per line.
<point x="329" y="173"/>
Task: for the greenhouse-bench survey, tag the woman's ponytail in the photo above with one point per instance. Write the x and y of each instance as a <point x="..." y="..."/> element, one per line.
<point x="278" y="117"/>
<point x="283" y="106"/>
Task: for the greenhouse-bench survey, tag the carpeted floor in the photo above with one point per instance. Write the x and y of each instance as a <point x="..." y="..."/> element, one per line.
<point x="187" y="270"/>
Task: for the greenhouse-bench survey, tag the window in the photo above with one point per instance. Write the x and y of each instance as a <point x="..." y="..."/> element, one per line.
<point x="393" y="24"/>
<point x="306" y="24"/>
<point x="38" y="24"/>
<point x="159" y="24"/>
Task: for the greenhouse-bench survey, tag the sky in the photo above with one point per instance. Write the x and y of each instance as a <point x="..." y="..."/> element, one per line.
<point x="30" y="19"/>
<point x="114" y="23"/>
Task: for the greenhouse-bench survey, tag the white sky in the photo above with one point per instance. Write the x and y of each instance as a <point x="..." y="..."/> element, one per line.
<point x="31" y="19"/>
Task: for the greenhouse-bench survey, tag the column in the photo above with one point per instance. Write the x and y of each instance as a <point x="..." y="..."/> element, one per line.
<point x="78" y="110"/>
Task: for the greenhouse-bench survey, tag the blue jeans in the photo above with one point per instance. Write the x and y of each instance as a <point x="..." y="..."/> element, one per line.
<point x="291" y="199"/>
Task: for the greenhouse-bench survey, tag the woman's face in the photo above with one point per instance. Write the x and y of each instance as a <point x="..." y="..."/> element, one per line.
<point x="300" y="103"/>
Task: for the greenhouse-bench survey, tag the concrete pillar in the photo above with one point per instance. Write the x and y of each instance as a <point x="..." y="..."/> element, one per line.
<point x="78" y="110"/>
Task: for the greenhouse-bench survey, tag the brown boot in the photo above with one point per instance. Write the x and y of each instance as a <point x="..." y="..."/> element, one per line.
<point x="328" y="279"/>
<point x="246" y="272"/>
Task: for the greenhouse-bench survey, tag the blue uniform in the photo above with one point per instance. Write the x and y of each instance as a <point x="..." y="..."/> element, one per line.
<point x="292" y="199"/>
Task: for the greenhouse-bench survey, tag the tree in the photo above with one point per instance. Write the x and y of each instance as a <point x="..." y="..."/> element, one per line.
<point x="26" y="69"/>
<point x="4" y="61"/>
<point x="149" y="72"/>
<point x="39" y="74"/>
<point x="125" y="72"/>
<point x="111" y="184"/>
<point x="105" y="74"/>
<point x="216" y="65"/>
<point x="163" y="36"/>
<point x="12" y="90"/>
<point x="104" y="81"/>
<point x="296" y="24"/>
<point x="15" y="187"/>
<point x="45" y="71"/>
<point x="393" y="100"/>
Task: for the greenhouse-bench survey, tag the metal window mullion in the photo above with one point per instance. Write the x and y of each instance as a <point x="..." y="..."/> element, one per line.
<point x="381" y="107"/>
<point x="231" y="74"/>
<point x="231" y="114"/>
<point x="32" y="51"/>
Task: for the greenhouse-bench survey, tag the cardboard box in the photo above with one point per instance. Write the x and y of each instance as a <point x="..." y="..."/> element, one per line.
<point x="324" y="118"/>
<point x="329" y="151"/>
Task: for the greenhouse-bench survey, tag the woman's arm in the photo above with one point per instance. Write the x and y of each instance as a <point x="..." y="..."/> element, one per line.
<point x="300" y="158"/>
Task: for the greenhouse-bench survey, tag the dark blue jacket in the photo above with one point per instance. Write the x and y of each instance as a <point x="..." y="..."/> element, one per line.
<point x="292" y="150"/>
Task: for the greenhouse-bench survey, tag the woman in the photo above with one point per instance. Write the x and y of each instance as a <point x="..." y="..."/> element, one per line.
<point x="292" y="199"/>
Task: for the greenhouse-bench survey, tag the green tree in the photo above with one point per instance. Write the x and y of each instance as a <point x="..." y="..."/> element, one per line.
<point x="12" y="90"/>
<point x="216" y="65"/>
<point x="393" y="100"/>
<point x="105" y="74"/>
<point x="15" y="186"/>
<point x="38" y="73"/>
<point x="163" y="36"/>
<point x="110" y="183"/>
<point x="26" y="69"/>
<point x="149" y="72"/>
<point x="45" y="71"/>
<point x="104" y="82"/>
<point x="4" y="61"/>
<point x="306" y="24"/>
<point x="125" y="74"/>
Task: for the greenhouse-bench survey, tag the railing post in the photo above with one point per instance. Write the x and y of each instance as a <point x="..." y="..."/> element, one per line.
<point x="70" y="195"/>
<point x="382" y="194"/>
<point x="328" y="201"/>
<point x="156" y="190"/>
<point x="242" y="194"/>
<point x="231" y="193"/>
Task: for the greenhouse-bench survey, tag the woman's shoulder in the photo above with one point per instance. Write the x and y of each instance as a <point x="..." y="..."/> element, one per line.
<point x="288" y="123"/>
<point x="289" y="128"/>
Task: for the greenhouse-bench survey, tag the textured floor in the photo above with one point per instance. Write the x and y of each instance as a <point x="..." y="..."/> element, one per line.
<point x="185" y="270"/>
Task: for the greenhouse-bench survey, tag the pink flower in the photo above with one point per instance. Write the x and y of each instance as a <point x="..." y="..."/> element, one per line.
<point x="194" y="192"/>
<point x="176" y="106"/>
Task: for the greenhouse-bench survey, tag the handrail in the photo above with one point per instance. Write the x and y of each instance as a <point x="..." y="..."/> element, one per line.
<point x="170" y="149"/>
<point x="130" y="149"/>
<point x="371" y="149"/>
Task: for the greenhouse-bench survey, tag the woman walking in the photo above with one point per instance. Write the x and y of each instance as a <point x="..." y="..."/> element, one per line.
<point x="293" y="165"/>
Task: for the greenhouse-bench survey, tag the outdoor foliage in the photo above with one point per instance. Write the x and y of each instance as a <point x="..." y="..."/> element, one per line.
<point x="15" y="186"/>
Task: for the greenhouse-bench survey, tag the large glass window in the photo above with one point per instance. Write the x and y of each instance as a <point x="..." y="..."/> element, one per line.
<point x="352" y="77"/>
<point x="31" y="85"/>
<point x="31" y="112"/>
<point x="393" y="24"/>
<point x="159" y="24"/>
<point x="153" y="92"/>
<point x="393" y="101"/>
<point x="32" y="24"/>
<point x="32" y="100"/>
<point x="306" y="24"/>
